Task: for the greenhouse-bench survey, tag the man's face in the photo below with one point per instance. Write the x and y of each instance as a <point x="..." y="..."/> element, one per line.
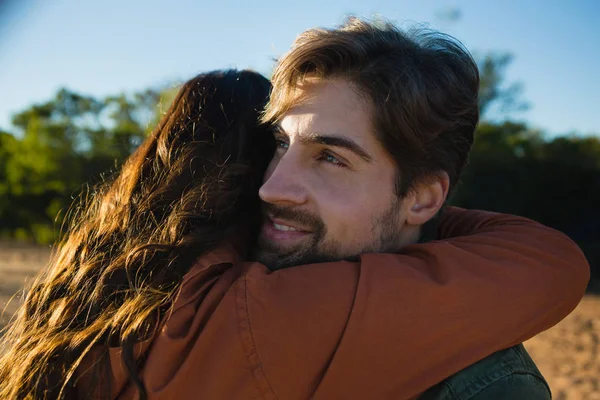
<point x="329" y="191"/>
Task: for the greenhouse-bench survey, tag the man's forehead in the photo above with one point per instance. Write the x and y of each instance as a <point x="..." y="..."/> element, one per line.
<point x="313" y="91"/>
<point x="327" y="106"/>
<point x="304" y="123"/>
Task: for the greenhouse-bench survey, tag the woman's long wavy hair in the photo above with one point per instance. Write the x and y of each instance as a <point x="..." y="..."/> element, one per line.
<point x="191" y="185"/>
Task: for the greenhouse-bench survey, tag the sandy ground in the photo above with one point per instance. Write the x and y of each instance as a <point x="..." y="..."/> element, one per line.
<point x="568" y="354"/>
<point x="18" y="265"/>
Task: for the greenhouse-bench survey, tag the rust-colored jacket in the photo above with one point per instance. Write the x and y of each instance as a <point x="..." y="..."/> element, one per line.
<point x="386" y="327"/>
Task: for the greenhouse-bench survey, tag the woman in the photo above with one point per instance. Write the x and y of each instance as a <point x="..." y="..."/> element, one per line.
<point x="190" y="185"/>
<point x="147" y="294"/>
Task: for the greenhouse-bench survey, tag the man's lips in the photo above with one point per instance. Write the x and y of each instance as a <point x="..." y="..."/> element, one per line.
<point x="284" y="223"/>
<point x="278" y="230"/>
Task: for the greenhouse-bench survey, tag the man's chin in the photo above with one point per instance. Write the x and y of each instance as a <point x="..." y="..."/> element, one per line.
<point x="276" y="260"/>
<point x="278" y="254"/>
<point x="275" y="256"/>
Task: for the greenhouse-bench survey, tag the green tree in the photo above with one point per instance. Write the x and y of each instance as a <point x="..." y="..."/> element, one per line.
<point x="62" y="144"/>
<point x="494" y="92"/>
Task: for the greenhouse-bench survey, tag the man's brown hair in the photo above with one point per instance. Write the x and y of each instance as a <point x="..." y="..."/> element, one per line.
<point x="421" y="85"/>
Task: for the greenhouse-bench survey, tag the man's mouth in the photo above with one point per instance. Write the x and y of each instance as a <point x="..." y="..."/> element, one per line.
<point x="277" y="230"/>
<point x="284" y="228"/>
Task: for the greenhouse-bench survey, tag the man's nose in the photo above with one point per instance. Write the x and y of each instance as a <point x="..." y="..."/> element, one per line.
<point x="284" y="184"/>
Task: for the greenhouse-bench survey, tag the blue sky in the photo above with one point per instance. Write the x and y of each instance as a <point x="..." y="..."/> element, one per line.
<point x="106" y="47"/>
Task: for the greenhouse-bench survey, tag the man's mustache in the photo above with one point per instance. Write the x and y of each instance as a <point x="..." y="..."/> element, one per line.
<point x="303" y="218"/>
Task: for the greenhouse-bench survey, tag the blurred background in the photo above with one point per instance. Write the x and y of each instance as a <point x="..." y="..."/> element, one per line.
<point x="83" y="82"/>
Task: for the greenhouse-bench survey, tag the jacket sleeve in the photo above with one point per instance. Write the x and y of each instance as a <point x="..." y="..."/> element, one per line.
<point x="392" y="325"/>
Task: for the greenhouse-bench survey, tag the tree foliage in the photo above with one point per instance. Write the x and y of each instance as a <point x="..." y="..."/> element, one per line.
<point x="58" y="146"/>
<point x="494" y="92"/>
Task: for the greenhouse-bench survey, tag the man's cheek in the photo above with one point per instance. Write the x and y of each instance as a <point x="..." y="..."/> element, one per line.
<point x="270" y="168"/>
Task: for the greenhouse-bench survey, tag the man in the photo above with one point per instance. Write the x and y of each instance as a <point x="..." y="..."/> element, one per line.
<point x="373" y="127"/>
<point x="372" y="130"/>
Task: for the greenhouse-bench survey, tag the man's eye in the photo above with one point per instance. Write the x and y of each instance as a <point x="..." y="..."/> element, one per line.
<point x="331" y="159"/>
<point x="281" y="144"/>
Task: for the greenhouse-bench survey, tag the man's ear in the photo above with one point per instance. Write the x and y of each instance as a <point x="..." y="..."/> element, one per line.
<point x="427" y="198"/>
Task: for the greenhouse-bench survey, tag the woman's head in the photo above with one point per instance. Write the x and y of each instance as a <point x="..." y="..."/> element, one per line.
<point x="193" y="183"/>
<point x="210" y="128"/>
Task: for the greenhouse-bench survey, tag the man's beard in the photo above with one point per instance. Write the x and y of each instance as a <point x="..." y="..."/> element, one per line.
<point x="276" y="257"/>
<point x="385" y="238"/>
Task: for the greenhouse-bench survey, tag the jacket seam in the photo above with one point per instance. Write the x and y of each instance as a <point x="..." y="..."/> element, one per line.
<point x="506" y="377"/>
<point x="263" y="382"/>
<point x="537" y="374"/>
<point x="341" y="338"/>
<point x="451" y="391"/>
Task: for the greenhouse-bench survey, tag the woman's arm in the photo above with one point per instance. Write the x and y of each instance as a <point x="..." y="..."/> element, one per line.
<point x="392" y="325"/>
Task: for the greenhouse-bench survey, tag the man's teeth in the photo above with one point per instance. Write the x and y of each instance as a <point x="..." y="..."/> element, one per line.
<point x="284" y="227"/>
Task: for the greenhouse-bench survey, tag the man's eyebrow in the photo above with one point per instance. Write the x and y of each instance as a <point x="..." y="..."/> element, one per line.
<point x="331" y="140"/>
<point x="278" y="130"/>
<point x="337" y="141"/>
